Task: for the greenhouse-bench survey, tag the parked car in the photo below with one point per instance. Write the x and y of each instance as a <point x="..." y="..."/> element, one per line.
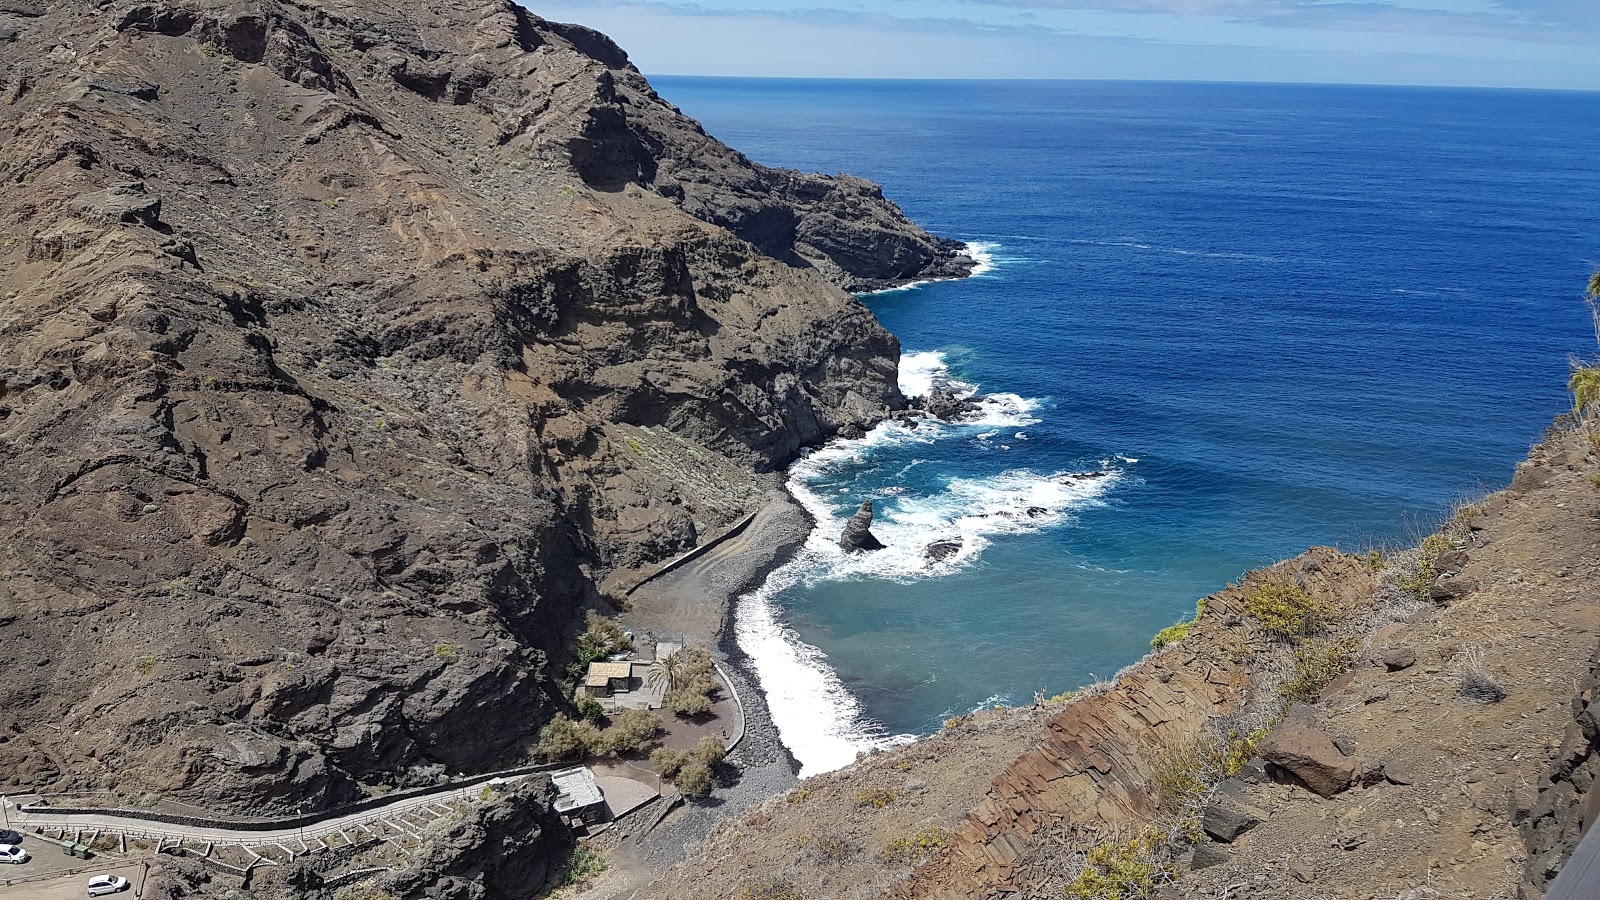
<point x="14" y="838"/>
<point x="11" y="853"/>
<point x="100" y="885"/>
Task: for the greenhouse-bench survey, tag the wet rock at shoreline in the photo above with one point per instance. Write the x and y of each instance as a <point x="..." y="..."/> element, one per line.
<point x="858" y="536"/>
<point x="941" y="550"/>
<point x="942" y="403"/>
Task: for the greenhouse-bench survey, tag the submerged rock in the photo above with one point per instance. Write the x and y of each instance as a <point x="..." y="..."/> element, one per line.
<point x="941" y="550"/>
<point x="858" y="536"/>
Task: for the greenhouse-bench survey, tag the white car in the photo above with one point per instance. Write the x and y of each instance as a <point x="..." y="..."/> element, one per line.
<point x="11" y="853"/>
<point x="100" y="885"/>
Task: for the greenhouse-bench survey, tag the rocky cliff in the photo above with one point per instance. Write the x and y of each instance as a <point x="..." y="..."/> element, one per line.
<point x="1432" y="734"/>
<point x="345" y="347"/>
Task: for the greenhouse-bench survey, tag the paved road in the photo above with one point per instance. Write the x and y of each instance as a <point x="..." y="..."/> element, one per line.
<point x="133" y="827"/>
<point x="74" y="886"/>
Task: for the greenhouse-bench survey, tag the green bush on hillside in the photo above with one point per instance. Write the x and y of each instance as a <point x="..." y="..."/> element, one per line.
<point x="1286" y="611"/>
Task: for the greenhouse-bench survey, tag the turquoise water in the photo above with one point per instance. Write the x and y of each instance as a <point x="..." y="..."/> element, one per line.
<point x="1274" y="316"/>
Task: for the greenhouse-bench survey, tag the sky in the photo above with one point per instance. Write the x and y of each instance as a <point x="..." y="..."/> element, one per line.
<point x="1490" y="43"/>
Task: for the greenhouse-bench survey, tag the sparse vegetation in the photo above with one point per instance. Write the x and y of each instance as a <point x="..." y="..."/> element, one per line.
<point x="446" y="652"/>
<point x="601" y="638"/>
<point x="1175" y="633"/>
<point x="877" y="798"/>
<point x="1474" y="679"/>
<point x="690" y="771"/>
<point x="830" y="848"/>
<point x="583" y="866"/>
<point x="955" y="722"/>
<point x="770" y="889"/>
<point x="1316" y="664"/>
<point x="1418" y="580"/>
<point x="914" y="849"/>
<point x="145" y="664"/>
<point x="1124" y="870"/>
<point x="1284" y="610"/>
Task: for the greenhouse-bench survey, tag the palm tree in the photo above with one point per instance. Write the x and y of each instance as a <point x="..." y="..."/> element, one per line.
<point x="670" y="670"/>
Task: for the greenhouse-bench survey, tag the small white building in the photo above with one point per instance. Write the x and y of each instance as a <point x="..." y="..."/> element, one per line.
<point x="578" y="795"/>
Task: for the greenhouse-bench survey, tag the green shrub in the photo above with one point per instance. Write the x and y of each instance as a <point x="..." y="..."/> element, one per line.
<point x="1123" y="870"/>
<point x="688" y="704"/>
<point x="681" y="766"/>
<point x="630" y="731"/>
<point x="1585" y="387"/>
<point x="601" y="638"/>
<point x="566" y="739"/>
<point x="694" y="780"/>
<point x="914" y="849"/>
<point x="591" y="710"/>
<point x="145" y="664"/>
<point x="1285" y="611"/>
<point x="1419" y="581"/>
<point x="445" y="652"/>
<point x="877" y="798"/>
<point x="1316" y="664"/>
<point x="668" y="762"/>
<point x="1175" y="633"/>
<point x="583" y="866"/>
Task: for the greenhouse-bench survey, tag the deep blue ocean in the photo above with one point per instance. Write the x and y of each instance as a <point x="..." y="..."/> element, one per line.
<point x="1273" y="316"/>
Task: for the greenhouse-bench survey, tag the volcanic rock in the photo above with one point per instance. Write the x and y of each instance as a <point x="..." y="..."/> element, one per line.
<point x="1304" y="755"/>
<point x="941" y="550"/>
<point x="942" y="403"/>
<point x="345" y="348"/>
<point x="858" y="536"/>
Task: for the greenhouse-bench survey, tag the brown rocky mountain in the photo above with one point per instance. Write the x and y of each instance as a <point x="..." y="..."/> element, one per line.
<point x="346" y="349"/>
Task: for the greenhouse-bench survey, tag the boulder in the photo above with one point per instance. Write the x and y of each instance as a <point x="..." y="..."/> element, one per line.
<point x="1306" y="756"/>
<point x="1208" y="855"/>
<point x="941" y="550"/>
<point x="1398" y="659"/>
<point x="1449" y="590"/>
<point x="1229" y="814"/>
<point x="1450" y="562"/>
<point x="858" y="536"/>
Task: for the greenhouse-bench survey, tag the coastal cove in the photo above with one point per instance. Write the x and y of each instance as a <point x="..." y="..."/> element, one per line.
<point x="1248" y="386"/>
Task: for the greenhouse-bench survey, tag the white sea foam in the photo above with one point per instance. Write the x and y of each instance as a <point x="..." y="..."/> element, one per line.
<point x="982" y="253"/>
<point x="819" y="720"/>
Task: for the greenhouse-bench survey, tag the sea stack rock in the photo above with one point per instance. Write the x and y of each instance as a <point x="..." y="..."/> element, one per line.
<point x="858" y="535"/>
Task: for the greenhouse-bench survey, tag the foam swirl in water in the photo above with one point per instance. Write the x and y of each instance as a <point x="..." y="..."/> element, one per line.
<point x="818" y="718"/>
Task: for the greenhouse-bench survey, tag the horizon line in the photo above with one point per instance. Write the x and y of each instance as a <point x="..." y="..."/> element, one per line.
<point x="1195" y="81"/>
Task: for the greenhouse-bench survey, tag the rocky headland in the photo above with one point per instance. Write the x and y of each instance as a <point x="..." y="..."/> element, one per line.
<point x="347" y="352"/>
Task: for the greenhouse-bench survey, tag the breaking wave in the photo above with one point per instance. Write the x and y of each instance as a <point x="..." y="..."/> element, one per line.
<point x="931" y="528"/>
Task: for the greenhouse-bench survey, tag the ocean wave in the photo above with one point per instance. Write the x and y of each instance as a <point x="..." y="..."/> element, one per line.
<point x="1178" y="251"/>
<point x="819" y="720"/>
<point x="983" y="253"/>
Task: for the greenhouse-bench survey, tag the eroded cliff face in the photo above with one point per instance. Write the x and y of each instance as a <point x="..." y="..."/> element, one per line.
<point x="344" y="349"/>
